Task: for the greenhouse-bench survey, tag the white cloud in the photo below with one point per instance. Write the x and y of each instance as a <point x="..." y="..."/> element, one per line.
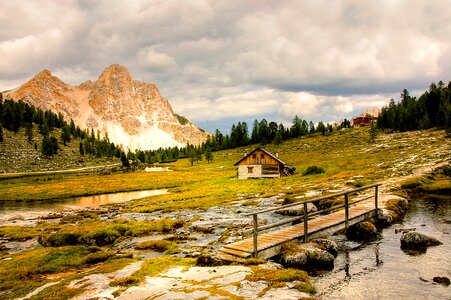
<point x="216" y="59"/>
<point x="156" y="61"/>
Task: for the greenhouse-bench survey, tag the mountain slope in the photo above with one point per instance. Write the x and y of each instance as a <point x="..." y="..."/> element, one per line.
<point x="131" y="112"/>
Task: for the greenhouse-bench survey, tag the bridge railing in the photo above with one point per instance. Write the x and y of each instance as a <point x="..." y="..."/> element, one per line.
<point x="306" y="215"/>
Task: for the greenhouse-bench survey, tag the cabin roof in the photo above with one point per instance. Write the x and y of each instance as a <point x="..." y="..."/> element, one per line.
<point x="263" y="150"/>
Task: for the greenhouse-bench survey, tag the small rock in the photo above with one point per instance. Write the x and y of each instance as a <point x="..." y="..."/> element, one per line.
<point x="362" y="231"/>
<point x="415" y="240"/>
<point x="441" y="280"/>
<point x="271" y="266"/>
<point x="328" y="245"/>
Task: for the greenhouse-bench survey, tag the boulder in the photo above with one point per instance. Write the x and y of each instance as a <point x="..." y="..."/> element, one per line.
<point x="362" y="231"/>
<point x="415" y="240"/>
<point x="306" y="256"/>
<point x="297" y="210"/>
<point x="328" y="245"/>
<point x="385" y="218"/>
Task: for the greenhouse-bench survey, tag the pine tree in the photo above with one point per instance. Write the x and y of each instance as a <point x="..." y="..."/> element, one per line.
<point x="49" y="146"/>
<point x="278" y="138"/>
<point x="124" y="160"/>
<point x="82" y="151"/>
<point x="208" y="155"/>
<point x="1" y="134"/>
<point x="65" y="135"/>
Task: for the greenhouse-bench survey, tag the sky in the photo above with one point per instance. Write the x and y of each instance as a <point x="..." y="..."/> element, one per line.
<point x="220" y="62"/>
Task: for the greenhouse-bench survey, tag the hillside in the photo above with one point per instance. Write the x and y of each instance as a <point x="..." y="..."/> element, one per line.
<point x="19" y="155"/>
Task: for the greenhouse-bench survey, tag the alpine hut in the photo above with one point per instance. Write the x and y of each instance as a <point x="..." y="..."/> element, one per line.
<point x="260" y="163"/>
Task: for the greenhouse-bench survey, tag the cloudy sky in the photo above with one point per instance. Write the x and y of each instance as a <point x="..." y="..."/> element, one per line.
<point x="219" y="62"/>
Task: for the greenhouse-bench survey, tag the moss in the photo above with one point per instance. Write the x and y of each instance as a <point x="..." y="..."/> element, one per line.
<point x="61" y="239"/>
<point x="277" y="278"/>
<point x="159" y="246"/>
<point x="398" y="206"/>
<point x="254" y="261"/>
<point x="98" y="257"/>
<point x="155" y="266"/>
<point x="305" y="287"/>
<point x="126" y="281"/>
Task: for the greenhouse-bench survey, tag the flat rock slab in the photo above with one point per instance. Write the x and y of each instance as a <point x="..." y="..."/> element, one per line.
<point x="202" y="282"/>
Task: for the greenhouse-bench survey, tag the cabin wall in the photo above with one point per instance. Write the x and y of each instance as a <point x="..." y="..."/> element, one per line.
<point x="254" y="171"/>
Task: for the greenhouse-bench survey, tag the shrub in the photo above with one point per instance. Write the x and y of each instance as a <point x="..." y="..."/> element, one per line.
<point x="159" y="246"/>
<point x="100" y="237"/>
<point x="97" y="257"/>
<point x="313" y="170"/>
<point x="126" y="281"/>
<point x="59" y="239"/>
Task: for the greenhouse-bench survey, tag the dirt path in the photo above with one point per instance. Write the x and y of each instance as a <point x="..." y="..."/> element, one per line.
<point x="67" y="171"/>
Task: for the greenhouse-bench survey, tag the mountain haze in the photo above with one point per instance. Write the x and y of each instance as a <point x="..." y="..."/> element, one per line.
<point x="133" y="113"/>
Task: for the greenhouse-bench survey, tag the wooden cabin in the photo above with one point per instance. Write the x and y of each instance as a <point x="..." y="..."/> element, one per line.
<point x="259" y="163"/>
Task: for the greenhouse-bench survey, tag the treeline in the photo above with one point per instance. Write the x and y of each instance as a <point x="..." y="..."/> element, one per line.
<point x="431" y="109"/>
<point x="18" y="114"/>
<point x="264" y="132"/>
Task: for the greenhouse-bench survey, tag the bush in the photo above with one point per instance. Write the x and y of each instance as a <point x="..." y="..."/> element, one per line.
<point x="97" y="257"/>
<point x="59" y="239"/>
<point x="159" y="246"/>
<point x="101" y="237"/>
<point x="313" y="170"/>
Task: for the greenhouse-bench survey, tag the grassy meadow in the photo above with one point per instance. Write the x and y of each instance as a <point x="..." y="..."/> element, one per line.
<point x="348" y="158"/>
<point x="70" y="252"/>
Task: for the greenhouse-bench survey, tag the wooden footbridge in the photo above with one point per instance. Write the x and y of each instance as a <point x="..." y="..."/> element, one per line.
<point x="312" y="225"/>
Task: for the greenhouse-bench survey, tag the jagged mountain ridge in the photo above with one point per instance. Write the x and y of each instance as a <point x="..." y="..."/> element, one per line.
<point x="133" y="113"/>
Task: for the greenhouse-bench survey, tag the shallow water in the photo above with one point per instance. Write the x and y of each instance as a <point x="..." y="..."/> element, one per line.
<point x="381" y="270"/>
<point x="14" y="212"/>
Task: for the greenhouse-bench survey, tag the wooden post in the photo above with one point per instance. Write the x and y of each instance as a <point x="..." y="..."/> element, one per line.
<point x="346" y="211"/>
<point x="254" y="216"/>
<point x="376" y="198"/>
<point x="305" y="223"/>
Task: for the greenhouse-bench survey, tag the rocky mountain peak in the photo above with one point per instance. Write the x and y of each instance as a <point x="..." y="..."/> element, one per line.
<point x="44" y="74"/>
<point x="114" y="74"/>
<point x="131" y="112"/>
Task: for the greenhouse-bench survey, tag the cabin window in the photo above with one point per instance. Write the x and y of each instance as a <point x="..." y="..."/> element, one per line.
<point x="250" y="169"/>
<point x="254" y="156"/>
<point x="262" y="156"/>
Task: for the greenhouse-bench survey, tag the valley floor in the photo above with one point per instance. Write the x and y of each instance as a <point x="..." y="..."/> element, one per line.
<point x="206" y="198"/>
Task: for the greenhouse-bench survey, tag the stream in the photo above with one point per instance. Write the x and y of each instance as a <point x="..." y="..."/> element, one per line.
<point x="18" y="213"/>
<point x="381" y="270"/>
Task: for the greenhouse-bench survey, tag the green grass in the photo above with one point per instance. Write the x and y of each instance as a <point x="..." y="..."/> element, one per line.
<point x="159" y="245"/>
<point x="28" y="270"/>
<point x="277" y="278"/>
<point x="342" y="155"/>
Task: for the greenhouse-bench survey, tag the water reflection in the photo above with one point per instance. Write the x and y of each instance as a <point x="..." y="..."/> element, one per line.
<point x="15" y="212"/>
<point x="381" y="270"/>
